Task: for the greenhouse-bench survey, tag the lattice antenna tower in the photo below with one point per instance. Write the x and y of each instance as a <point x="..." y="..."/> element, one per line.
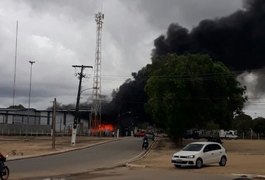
<point x="95" y="118"/>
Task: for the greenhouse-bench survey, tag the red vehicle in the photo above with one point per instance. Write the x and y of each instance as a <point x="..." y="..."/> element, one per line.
<point x="139" y="134"/>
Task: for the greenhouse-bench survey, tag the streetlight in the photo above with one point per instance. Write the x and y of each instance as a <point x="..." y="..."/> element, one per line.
<point x="31" y="63"/>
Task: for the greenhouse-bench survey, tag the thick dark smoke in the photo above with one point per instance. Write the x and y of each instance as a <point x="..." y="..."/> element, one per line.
<point x="237" y="40"/>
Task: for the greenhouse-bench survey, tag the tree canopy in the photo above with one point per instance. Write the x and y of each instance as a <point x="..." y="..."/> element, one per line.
<point x="189" y="91"/>
<point x="243" y="123"/>
<point x="259" y="126"/>
<point x="20" y="106"/>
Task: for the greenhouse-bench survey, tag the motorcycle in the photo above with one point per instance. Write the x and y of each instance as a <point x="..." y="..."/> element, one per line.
<point x="4" y="170"/>
<point x="145" y="144"/>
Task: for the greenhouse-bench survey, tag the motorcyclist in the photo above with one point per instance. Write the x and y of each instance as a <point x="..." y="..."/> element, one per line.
<point x="145" y="140"/>
<point x="2" y="160"/>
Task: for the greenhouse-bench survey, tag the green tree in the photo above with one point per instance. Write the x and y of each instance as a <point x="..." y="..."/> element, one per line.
<point x="20" y="106"/>
<point x="259" y="126"/>
<point x="190" y="91"/>
<point x="243" y="123"/>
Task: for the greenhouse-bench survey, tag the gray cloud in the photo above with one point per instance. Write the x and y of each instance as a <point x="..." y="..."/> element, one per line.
<point x="73" y="10"/>
<point x="254" y="81"/>
<point x="187" y="13"/>
<point x="60" y="33"/>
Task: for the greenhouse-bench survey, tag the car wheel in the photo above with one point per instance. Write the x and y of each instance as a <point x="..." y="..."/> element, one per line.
<point x="199" y="163"/>
<point x="223" y="161"/>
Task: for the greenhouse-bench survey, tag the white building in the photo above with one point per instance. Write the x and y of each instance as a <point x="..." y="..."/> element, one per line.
<point x="36" y="122"/>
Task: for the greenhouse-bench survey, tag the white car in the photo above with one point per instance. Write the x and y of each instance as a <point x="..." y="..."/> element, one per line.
<point x="199" y="153"/>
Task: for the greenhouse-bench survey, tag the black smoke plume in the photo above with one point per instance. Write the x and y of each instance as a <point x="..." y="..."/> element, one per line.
<point x="238" y="40"/>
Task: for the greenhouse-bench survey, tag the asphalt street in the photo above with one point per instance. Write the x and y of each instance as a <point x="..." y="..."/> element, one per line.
<point x="101" y="156"/>
<point x="101" y="162"/>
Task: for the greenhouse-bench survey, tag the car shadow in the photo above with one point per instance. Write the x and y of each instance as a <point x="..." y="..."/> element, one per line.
<point x="204" y="166"/>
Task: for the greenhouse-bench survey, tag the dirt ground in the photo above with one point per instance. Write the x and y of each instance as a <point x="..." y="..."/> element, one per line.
<point x="19" y="146"/>
<point x="244" y="156"/>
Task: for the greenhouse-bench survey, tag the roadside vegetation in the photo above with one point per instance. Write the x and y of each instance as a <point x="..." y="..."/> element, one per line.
<point x="192" y="91"/>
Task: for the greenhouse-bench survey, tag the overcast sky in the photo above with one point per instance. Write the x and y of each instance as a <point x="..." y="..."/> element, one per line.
<point x="60" y="33"/>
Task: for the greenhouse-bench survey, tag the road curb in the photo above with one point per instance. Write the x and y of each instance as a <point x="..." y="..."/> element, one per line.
<point x="61" y="151"/>
<point x="135" y="165"/>
<point x="253" y="176"/>
<point x="129" y="163"/>
<point x="259" y="177"/>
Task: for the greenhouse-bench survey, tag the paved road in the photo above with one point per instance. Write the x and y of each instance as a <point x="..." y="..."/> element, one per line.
<point x="97" y="157"/>
<point x="99" y="162"/>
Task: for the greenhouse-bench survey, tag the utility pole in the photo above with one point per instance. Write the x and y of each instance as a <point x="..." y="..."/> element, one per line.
<point x="53" y="123"/>
<point x="80" y="77"/>
<point x="15" y="68"/>
<point x="31" y="63"/>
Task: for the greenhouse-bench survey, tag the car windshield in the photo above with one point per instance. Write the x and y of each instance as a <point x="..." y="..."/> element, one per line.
<point x="193" y="147"/>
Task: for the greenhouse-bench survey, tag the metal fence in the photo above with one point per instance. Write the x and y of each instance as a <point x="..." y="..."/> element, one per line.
<point x="37" y="130"/>
<point x="24" y="129"/>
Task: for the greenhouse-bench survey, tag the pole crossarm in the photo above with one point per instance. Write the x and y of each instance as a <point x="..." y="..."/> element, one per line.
<point x="81" y="66"/>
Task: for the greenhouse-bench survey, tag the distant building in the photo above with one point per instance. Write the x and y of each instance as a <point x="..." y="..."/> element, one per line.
<point x="38" y="122"/>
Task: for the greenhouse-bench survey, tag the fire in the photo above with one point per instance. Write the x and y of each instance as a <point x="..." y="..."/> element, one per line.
<point x="102" y="128"/>
<point x="106" y="127"/>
